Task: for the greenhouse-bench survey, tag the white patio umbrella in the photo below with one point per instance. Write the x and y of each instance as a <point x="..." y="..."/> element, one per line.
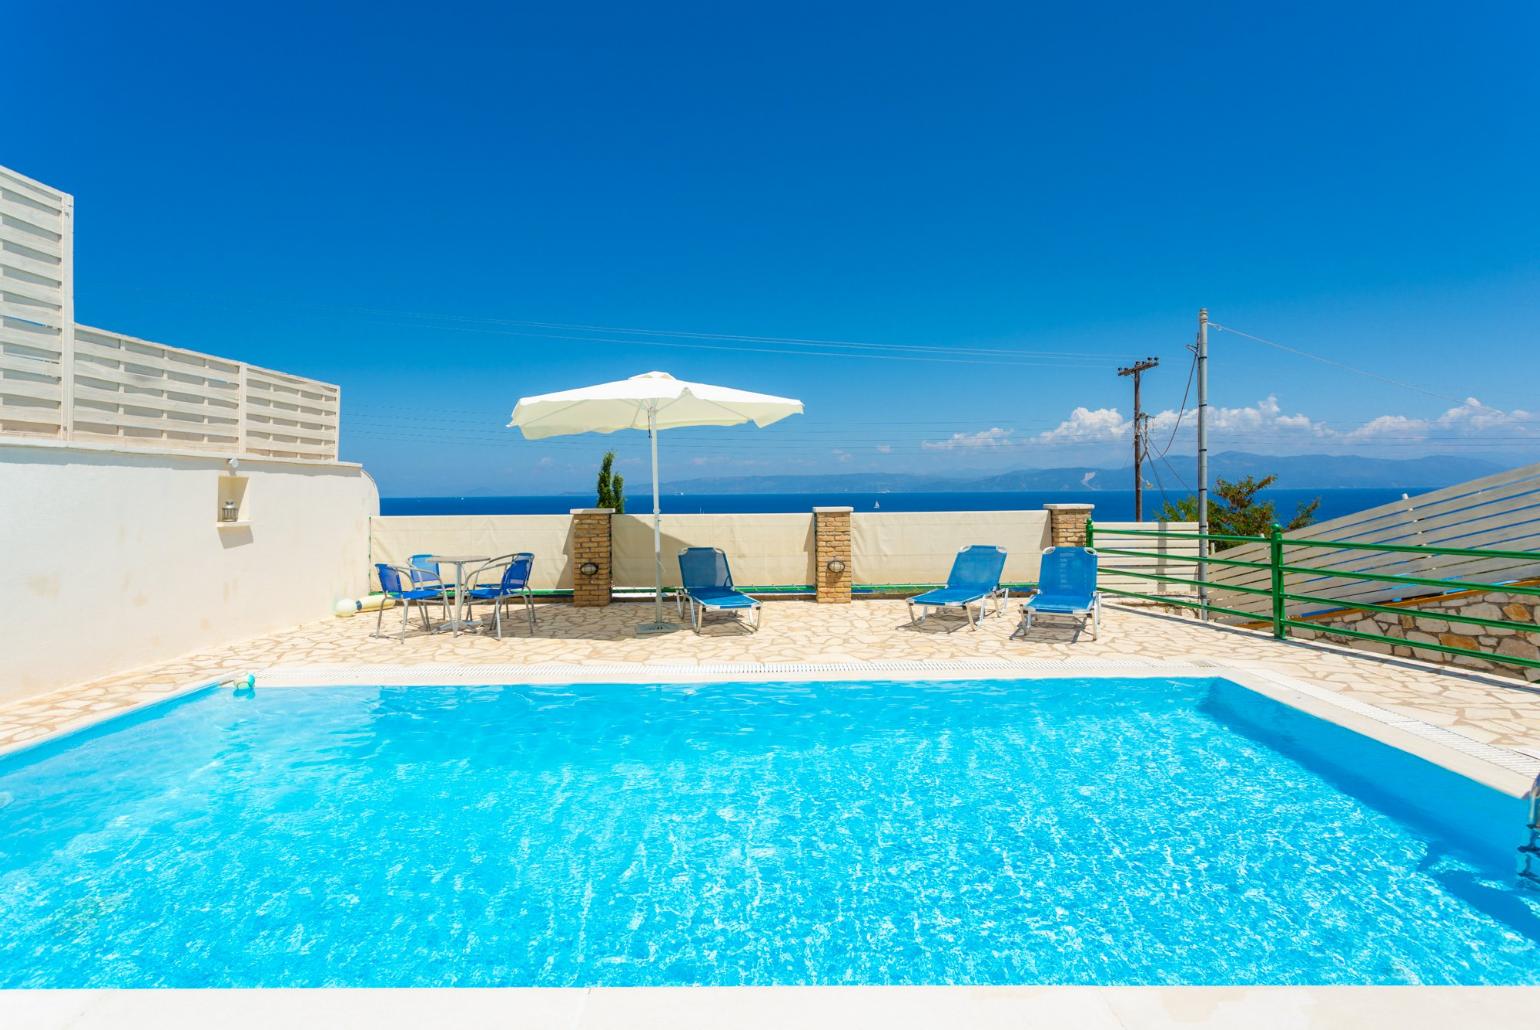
<point x="652" y="401"/>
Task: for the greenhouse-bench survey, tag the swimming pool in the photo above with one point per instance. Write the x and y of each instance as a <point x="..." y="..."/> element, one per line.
<point x="1054" y="831"/>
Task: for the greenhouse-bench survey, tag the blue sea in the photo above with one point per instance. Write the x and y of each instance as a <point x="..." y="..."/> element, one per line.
<point x="1113" y="505"/>
<point x="1092" y="831"/>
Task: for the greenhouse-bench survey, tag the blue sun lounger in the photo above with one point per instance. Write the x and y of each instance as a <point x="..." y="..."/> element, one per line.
<point x="1066" y="585"/>
<point x="708" y="586"/>
<point x="974" y="579"/>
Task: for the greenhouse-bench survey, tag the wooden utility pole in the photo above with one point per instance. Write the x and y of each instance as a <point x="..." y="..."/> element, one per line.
<point x="1137" y="370"/>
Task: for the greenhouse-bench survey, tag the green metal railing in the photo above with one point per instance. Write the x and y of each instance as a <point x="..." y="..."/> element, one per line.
<point x="1280" y="595"/>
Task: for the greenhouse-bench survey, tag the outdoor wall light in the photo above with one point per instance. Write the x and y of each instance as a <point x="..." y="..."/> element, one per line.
<point x="835" y="566"/>
<point x="588" y="568"/>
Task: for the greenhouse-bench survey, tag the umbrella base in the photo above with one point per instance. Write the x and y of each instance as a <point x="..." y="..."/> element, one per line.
<point x="649" y="629"/>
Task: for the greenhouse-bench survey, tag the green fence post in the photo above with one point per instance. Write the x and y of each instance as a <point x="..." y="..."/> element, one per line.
<point x="1090" y="533"/>
<point x="1275" y="548"/>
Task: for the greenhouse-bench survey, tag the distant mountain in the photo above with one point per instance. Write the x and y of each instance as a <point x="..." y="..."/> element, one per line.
<point x="1301" y="471"/>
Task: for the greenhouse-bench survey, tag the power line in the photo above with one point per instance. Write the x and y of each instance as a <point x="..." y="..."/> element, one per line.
<point x="1182" y="411"/>
<point x="1338" y="364"/>
<point x="1062" y="364"/>
<point x="495" y="326"/>
<point x="743" y="338"/>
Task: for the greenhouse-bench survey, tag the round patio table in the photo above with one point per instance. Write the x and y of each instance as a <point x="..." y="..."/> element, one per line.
<point x="459" y="561"/>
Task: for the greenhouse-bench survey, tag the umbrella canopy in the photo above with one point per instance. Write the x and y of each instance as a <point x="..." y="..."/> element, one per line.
<point x="650" y="401"/>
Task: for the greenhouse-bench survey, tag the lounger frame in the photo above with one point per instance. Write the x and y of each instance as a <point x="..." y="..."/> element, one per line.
<point x="998" y="593"/>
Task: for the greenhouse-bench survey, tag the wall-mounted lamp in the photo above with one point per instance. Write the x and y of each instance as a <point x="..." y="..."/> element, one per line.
<point x="234" y="464"/>
<point x="588" y="568"/>
<point x="835" y="566"/>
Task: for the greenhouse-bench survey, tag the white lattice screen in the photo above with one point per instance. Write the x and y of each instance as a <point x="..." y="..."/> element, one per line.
<point x="65" y="381"/>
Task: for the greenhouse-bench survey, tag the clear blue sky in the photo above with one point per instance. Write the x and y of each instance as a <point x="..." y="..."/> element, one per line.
<point x="386" y="196"/>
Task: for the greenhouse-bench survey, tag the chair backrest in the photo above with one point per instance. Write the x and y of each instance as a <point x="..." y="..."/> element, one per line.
<point x="701" y="567"/>
<point x="421" y="563"/>
<point x="390" y="579"/>
<point x="1068" y="570"/>
<point x="977" y="567"/>
<point x="516" y="575"/>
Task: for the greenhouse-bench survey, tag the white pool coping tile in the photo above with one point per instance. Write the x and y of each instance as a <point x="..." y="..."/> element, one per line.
<point x="763" y="1008"/>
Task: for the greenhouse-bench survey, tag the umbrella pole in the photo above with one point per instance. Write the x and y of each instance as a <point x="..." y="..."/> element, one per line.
<point x="657" y="625"/>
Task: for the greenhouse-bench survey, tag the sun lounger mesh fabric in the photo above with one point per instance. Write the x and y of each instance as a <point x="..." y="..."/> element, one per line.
<point x="976" y="569"/>
<point x="704" y="568"/>
<point x="1067" y="572"/>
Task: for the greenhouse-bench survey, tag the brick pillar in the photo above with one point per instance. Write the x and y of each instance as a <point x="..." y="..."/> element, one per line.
<point x="831" y="536"/>
<point x="1066" y="524"/>
<point x="591" y="546"/>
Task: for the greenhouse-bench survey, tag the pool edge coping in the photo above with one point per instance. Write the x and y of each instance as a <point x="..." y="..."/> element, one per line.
<point x="684" y="1008"/>
<point x="90" y="720"/>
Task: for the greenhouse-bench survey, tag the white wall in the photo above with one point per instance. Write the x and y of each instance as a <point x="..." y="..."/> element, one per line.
<point x="763" y="549"/>
<point x="114" y="559"/>
<point x="395" y="538"/>
<point x="919" y="546"/>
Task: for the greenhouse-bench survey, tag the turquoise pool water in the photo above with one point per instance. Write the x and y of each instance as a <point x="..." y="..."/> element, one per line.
<point x="1091" y="831"/>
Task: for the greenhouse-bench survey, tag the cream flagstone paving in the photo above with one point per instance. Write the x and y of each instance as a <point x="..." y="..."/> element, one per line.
<point x="1486" y="708"/>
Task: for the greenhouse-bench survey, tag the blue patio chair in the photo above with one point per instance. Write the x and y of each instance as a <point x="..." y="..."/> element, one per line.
<point x="708" y="586"/>
<point x="974" y="579"/>
<point x="398" y="584"/>
<point x="1066" y="585"/>
<point x="499" y="581"/>
<point x="424" y="570"/>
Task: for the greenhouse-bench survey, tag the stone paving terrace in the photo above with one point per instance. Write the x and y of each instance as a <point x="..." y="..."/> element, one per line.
<point x="1486" y="708"/>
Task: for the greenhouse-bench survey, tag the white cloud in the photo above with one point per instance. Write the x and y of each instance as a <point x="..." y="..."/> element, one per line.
<point x="884" y="448"/>
<point x="1470" y="420"/>
<point x="1388" y="427"/>
<point x="842" y="456"/>
<point x="1085" y="425"/>
<point x="1264" y="416"/>
<point x="1266" y="425"/>
<point x="984" y="438"/>
<point x="1473" y="417"/>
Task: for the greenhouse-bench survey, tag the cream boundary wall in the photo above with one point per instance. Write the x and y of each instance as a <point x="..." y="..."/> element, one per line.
<point x="115" y="559"/>
<point x="395" y="538"/>
<point x="763" y="549"/>
<point x="918" y="547"/>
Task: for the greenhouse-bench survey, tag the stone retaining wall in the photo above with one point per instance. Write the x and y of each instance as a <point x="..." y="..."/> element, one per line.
<point x="1417" y="622"/>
